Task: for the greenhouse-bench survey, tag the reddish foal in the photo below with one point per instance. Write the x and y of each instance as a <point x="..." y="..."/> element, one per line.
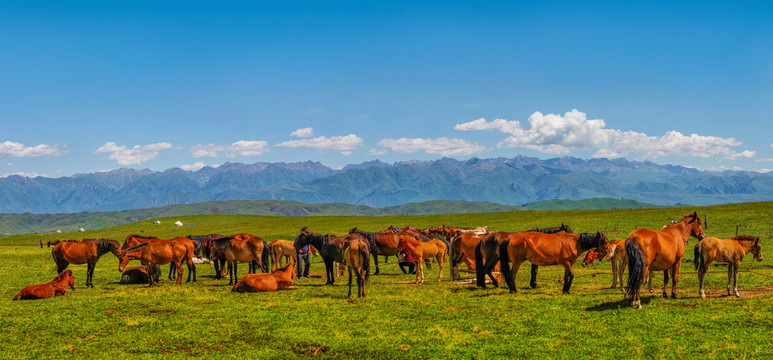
<point x="280" y="279"/>
<point x="56" y="287"/>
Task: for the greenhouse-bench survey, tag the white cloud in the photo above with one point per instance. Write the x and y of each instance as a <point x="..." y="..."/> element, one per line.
<point x="239" y="148"/>
<point x="440" y="146"/>
<point x="23" y="174"/>
<point x="556" y="134"/>
<point x="15" y="149"/>
<point x="377" y="152"/>
<point x="303" y="133"/>
<point x="136" y="155"/>
<point x="339" y="143"/>
<point x="193" y="167"/>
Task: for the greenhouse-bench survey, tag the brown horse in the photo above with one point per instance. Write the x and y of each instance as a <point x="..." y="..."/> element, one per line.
<point x="728" y="251"/>
<point x="56" y="287"/>
<point x="152" y="254"/>
<point x="282" y="250"/>
<point x="619" y="260"/>
<point x="424" y="250"/>
<point x="86" y="252"/>
<point x="357" y="259"/>
<point x="194" y="249"/>
<point x="137" y="275"/>
<point x="651" y="250"/>
<point x="239" y="248"/>
<point x="331" y="248"/>
<point x="463" y="251"/>
<point x="542" y="249"/>
<point x="280" y="279"/>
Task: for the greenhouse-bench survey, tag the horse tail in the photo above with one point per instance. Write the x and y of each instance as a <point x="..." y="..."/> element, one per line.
<point x="698" y="256"/>
<point x="480" y="273"/>
<point x="264" y="257"/>
<point x="504" y="263"/>
<point x="365" y="254"/>
<point x="635" y="266"/>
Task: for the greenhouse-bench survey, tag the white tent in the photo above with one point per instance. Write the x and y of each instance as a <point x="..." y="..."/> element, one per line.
<point x="157" y="222"/>
<point x="178" y="223"/>
<point x="81" y="229"/>
<point x="58" y="231"/>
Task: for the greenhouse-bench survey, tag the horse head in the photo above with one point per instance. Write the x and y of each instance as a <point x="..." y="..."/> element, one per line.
<point x="566" y="229"/>
<point x="66" y="276"/>
<point x="611" y="251"/>
<point x="694" y="223"/>
<point x="757" y="249"/>
<point x="353" y="230"/>
<point x="603" y="247"/>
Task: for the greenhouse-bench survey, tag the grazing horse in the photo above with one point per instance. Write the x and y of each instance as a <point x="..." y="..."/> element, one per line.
<point x="87" y="251"/>
<point x="543" y="249"/>
<point x="280" y="249"/>
<point x="331" y="248"/>
<point x="424" y="250"/>
<point x="280" y="279"/>
<point x="357" y="259"/>
<point x="138" y="275"/>
<point x="651" y="250"/>
<point x="56" y="287"/>
<point x="194" y="249"/>
<point x="251" y="250"/>
<point x="152" y="254"/>
<point x="728" y="251"/>
<point x="619" y="259"/>
<point x="488" y="249"/>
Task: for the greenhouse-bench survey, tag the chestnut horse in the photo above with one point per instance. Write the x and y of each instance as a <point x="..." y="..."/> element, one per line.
<point x="728" y="251"/>
<point x="357" y="259"/>
<point x="424" y="250"/>
<point x="331" y="248"/>
<point x="380" y="243"/>
<point x="87" y="251"/>
<point x="194" y="249"/>
<point x="619" y="260"/>
<point x="152" y="254"/>
<point x="544" y="249"/>
<point x="280" y="250"/>
<point x="56" y="287"/>
<point x="462" y="250"/>
<point x="239" y="248"/>
<point x="651" y="250"/>
<point x="280" y="279"/>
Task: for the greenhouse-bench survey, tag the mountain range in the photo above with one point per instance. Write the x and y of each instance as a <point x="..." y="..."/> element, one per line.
<point x="508" y="181"/>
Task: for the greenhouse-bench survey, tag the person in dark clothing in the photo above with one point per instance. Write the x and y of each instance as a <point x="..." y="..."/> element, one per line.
<point x="404" y="259"/>
<point x="303" y="254"/>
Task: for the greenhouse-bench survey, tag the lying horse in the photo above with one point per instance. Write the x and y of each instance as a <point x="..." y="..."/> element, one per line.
<point x="86" y="252"/>
<point x="138" y="275"/>
<point x="547" y="249"/>
<point x="357" y="259"/>
<point x="331" y="248"/>
<point x="56" y="287"/>
<point x="651" y="250"/>
<point x="424" y="250"/>
<point x="152" y="254"/>
<point x="728" y="251"/>
<point x="280" y="279"/>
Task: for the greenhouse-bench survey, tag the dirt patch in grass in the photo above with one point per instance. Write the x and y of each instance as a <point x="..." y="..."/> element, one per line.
<point x="745" y="293"/>
<point x="313" y="350"/>
<point x="163" y="311"/>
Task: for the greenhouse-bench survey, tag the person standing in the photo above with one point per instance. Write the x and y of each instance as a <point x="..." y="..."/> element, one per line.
<point x="303" y="254"/>
<point x="706" y="222"/>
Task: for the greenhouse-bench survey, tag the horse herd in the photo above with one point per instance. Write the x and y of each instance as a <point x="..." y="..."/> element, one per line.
<point x="644" y="251"/>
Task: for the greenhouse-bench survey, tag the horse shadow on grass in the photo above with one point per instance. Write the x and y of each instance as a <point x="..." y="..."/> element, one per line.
<point x="620" y="304"/>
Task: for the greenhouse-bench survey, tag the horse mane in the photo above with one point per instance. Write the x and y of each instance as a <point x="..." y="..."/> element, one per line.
<point x="135" y="247"/>
<point x="588" y="240"/>
<point x="746" y="238"/>
<point x="141" y="237"/>
<point x="223" y="239"/>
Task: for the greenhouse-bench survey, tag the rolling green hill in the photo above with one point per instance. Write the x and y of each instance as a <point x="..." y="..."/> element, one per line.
<point x="14" y="224"/>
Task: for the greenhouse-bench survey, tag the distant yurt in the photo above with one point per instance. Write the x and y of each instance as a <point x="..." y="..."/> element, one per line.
<point x="58" y="231"/>
<point x="178" y="223"/>
<point x="81" y="229"/>
<point x="157" y="222"/>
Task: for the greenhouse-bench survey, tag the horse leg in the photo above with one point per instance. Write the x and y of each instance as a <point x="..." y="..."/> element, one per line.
<point x="419" y="270"/>
<point x="614" y="273"/>
<point x="533" y="281"/>
<point x="701" y="274"/>
<point x="675" y="277"/>
<point x="179" y="265"/>
<point x="440" y="261"/>
<point x="735" y="279"/>
<point x="231" y="271"/>
<point x="329" y="272"/>
<point x="89" y="274"/>
<point x="375" y="261"/>
<point x="665" y="283"/>
<point x="350" y="281"/>
<point x="649" y="282"/>
<point x="171" y="269"/>
<point x="729" y="278"/>
<point x="513" y="273"/>
<point x="191" y="269"/>
<point x="568" y="277"/>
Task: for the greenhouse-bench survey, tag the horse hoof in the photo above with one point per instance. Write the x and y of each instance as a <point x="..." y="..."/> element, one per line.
<point x="513" y="291"/>
<point x="566" y="293"/>
<point x="673" y="296"/>
<point x="665" y="296"/>
<point x="738" y="295"/>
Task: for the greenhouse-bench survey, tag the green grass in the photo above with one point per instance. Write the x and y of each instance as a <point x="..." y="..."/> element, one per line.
<point x="398" y="319"/>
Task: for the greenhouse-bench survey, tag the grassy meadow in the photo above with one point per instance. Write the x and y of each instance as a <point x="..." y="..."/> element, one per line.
<point x="398" y="319"/>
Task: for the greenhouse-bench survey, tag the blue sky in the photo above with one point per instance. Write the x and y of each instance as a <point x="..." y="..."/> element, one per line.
<point x="91" y="86"/>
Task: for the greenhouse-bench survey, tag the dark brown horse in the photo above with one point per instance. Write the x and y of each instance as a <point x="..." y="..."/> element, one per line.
<point x="379" y="243"/>
<point x="87" y="251"/>
<point x="658" y="250"/>
<point x="543" y="249"/>
<point x="138" y="275"/>
<point x="152" y="254"/>
<point x="56" y="287"/>
<point x="331" y="248"/>
<point x="728" y="251"/>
